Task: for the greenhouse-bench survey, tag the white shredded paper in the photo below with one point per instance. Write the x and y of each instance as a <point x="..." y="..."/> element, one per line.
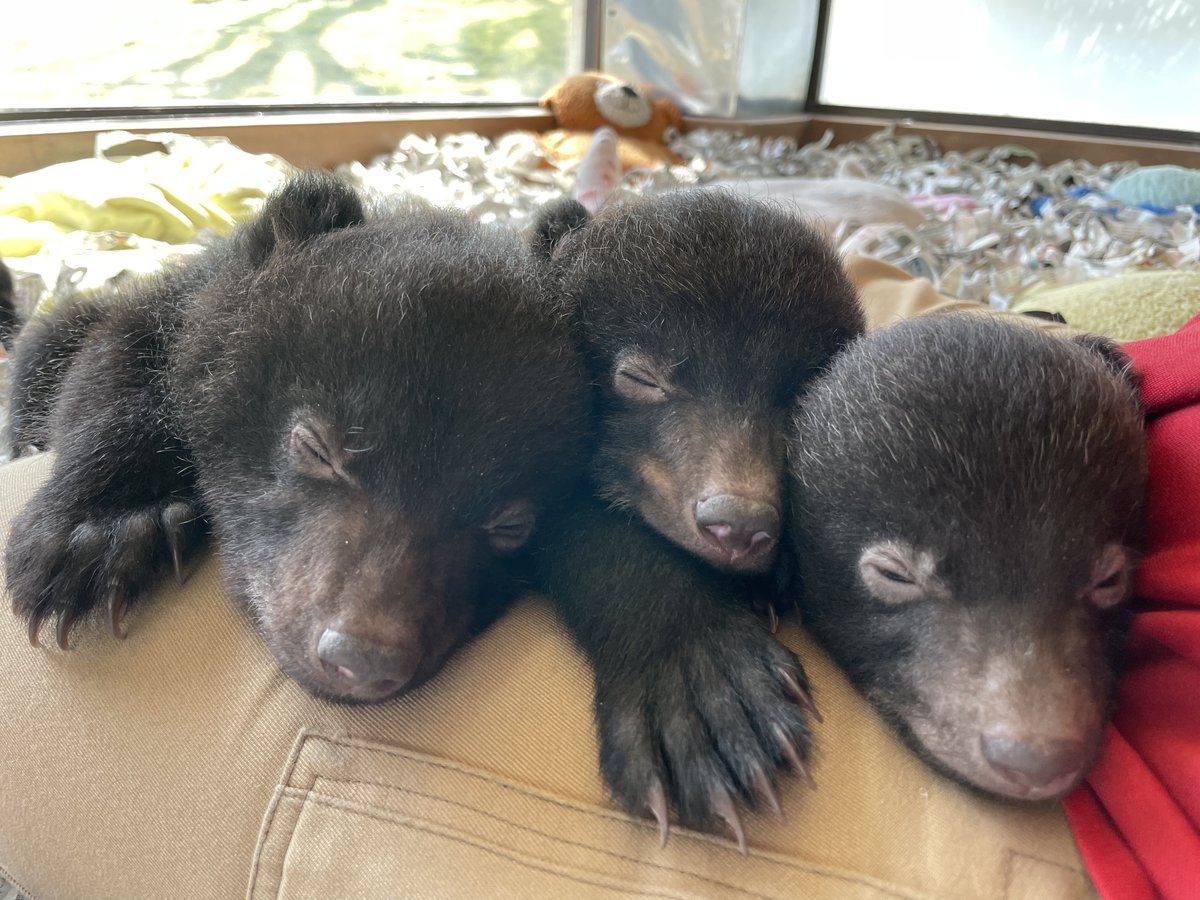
<point x="995" y="220"/>
<point x="981" y="239"/>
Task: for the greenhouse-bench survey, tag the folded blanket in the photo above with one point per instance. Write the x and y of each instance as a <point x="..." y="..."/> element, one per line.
<point x="1137" y="817"/>
<point x="1127" y="307"/>
<point x="99" y="195"/>
<point x="81" y="226"/>
<point x="181" y="187"/>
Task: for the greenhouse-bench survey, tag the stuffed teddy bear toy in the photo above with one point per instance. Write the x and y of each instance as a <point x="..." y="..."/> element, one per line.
<point x="590" y="100"/>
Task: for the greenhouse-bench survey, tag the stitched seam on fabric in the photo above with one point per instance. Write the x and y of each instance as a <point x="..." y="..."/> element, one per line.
<point x="1009" y="867"/>
<point x="26" y="894"/>
<point x="529" y="862"/>
<point x="752" y="854"/>
<point x="786" y="864"/>
<point x="264" y="836"/>
<point x="641" y="863"/>
<point x="458" y="769"/>
<point x="1045" y="862"/>
<point x="600" y="813"/>
<point x="268" y="822"/>
<point x="287" y="853"/>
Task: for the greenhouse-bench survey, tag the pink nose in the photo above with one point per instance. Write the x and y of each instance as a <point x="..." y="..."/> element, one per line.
<point x="359" y="661"/>
<point x="1033" y="764"/>
<point x="741" y="527"/>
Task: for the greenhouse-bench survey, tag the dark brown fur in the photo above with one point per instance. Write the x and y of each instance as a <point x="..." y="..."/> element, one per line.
<point x="8" y="309"/>
<point x="966" y="503"/>
<point x="368" y="412"/>
<point x="701" y="317"/>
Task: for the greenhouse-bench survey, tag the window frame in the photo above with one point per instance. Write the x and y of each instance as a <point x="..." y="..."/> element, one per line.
<point x="325" y="134"/>
<point x="584" y="52"/>
<point x="814" y="106"/>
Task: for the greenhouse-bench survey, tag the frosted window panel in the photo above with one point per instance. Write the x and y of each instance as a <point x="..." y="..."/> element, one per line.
<point x="715" y="57"/>
<point x="1115" y="62"/>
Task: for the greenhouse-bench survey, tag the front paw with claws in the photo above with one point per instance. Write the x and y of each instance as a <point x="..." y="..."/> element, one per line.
<point x="709" y="724"/>
<point x="62" y="563"/>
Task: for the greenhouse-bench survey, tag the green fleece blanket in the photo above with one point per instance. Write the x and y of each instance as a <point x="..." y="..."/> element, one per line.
<point x="142" y="199"/>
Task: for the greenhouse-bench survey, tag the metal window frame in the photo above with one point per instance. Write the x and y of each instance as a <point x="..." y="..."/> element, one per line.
<point x="587" y="53"/>
<point x="236" y="109"/>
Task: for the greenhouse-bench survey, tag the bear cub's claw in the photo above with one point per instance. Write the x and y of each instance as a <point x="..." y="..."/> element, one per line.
<point x="61" y="563"/>
<point x="713" y="722"/>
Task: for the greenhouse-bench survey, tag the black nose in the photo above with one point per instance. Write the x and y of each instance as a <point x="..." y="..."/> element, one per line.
<point x="1033" y="764"/>
<point x="629" y="90"/>
<point x="741" y="526"/>
<point x="363" y="662"/>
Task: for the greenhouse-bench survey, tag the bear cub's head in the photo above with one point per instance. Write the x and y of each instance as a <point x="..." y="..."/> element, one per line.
<point x="379" y="408"/>
<point x="701" y="317"/>
<point x="966" y="506"/>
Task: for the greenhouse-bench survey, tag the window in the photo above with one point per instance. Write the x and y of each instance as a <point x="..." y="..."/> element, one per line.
<point x="722" y="58"/>
<point x="1103" y="61"/>
<point x="63" y="54"/>
<point x="1106" y="62"/>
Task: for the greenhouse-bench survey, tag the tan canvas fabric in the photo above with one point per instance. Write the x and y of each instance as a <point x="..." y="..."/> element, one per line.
<point x="889" y="294"/>
<point x="181" y="763"/>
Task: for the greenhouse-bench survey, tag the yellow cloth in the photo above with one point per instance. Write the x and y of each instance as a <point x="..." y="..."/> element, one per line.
<point x="167" y="195"/>
<point x="99" y="195"/>
<point x="1126" y="307"/>
<point x="889" y="294"/>
<point x="21" y="237"/>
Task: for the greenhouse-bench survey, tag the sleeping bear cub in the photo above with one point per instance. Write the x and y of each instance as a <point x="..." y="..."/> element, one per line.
<point x="966" y="500"/>
<point x="701" y="317"/>
<point x="368" y="412"/>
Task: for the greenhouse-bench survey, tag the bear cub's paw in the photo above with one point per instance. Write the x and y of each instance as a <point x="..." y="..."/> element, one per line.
<point x="711" y="723"/>
<point x="63" y="560"/>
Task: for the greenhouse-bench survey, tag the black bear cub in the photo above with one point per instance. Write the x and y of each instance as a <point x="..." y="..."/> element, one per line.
<point x="966" y="505"/>
<point x="369" y="413"/>
<point x="701" y="317"/>
<point x="8" y="309"/>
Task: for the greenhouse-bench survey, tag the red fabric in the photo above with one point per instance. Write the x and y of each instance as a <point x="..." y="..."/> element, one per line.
<point x="1137" y="817"/>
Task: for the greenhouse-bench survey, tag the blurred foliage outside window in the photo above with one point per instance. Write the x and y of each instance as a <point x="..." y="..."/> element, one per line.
<point x="57" y="54"/>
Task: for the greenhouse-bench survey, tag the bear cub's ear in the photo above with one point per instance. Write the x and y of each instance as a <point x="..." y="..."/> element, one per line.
<point x="555" y="221"/>
<point x="309" y="204"/>
<point x="9" y="323"/>
<point x="1114" y="357"/>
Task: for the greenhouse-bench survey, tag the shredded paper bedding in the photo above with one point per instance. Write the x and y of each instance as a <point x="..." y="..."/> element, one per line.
<point x="990" y="225"/>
